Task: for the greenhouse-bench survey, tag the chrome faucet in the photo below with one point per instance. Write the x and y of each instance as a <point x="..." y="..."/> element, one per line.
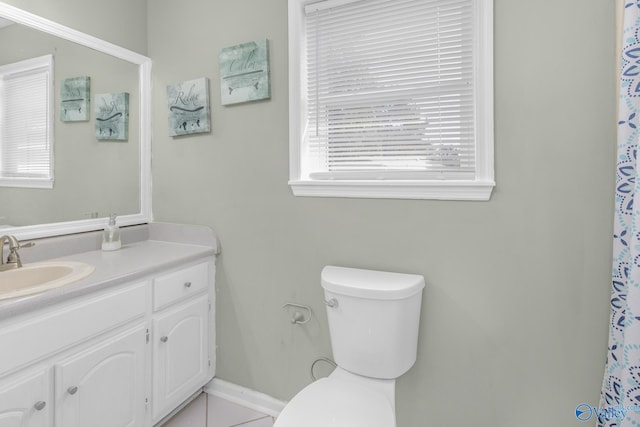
<point x="13" y="259"/>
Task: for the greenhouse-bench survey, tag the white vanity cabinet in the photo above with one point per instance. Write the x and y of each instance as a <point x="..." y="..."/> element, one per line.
<point x="181" y="361"/>
<point x="123" y="356"/>
<point x="25" y="399"/>
<point x="103" y="386"/>
<point x="35" y="346"/>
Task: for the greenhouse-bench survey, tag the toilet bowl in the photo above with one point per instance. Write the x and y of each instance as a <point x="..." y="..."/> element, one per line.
<point x="373" y="322"/>
<point x="341" y="401"/>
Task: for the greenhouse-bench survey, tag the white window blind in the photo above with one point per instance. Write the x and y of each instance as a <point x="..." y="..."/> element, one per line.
<point x="389" y="91"/>
<point x="390" y="88"/>
<point x="26" y="145"/>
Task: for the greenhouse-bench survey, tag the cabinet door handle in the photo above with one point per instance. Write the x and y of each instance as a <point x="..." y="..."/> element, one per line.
<point x="72" y="390"/>
<point x="187" y="284"/>
<point x="39" y="406"/>
<point x="164" y="339"/>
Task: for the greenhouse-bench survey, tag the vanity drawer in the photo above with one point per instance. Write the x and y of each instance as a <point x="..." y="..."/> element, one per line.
<point x="180" y="284"/>
<point x="61" y="326"/>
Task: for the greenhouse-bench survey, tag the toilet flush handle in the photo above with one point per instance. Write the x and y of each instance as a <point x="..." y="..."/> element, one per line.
<point x="332" y="303"/>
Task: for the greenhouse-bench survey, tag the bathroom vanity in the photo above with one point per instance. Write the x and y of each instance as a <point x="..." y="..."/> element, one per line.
<point x="126" y="346"/>
<point x="130" y="343"/>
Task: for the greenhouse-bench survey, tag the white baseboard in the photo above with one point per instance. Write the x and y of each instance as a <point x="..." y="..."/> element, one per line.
<point x="245" y="397"/>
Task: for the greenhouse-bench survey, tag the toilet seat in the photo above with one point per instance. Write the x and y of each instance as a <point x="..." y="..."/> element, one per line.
<point x="335" y="402"/>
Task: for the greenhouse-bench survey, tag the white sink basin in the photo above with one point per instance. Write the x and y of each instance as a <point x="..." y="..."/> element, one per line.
<point x="41" y="276"/>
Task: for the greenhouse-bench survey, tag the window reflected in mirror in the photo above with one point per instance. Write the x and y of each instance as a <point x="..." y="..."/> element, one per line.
<point x="26" y="136"/>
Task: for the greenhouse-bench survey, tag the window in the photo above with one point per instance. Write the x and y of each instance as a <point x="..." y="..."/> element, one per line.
<point x="391" y="98"/>
<point x="26" y="128"/>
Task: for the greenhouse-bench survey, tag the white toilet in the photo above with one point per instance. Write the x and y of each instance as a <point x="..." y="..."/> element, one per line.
<point x="373" y="322"/>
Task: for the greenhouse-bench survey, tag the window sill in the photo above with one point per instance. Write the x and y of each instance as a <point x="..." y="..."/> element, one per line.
<point x="399" y="189"/>
<point x="26" y="183"/>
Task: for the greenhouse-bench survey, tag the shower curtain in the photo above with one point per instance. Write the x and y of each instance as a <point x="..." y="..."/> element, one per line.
<point x="620" y="395"/>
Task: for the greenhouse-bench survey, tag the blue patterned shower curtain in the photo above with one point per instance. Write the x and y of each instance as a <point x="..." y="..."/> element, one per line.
<point x="620" y="396"/>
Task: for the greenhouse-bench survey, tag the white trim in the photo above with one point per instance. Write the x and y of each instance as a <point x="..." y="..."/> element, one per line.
<point x="400" y="189"/>
<point x="326" y="4"/>
<point x="245" y="397"/>
<point x="145" y="215"/>
<point x="70" y="227"/>
<point x="484" y="91"/>
<point x="297" y="39"/>
<point x="26" y="183"/>
<point x="479" y="189"/>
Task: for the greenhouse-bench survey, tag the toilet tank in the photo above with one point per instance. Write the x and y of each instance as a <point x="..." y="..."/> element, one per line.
<point x="374" y="318"/>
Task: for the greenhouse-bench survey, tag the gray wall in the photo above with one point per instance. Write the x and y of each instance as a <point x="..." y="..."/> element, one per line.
<point x="515" y="312"/>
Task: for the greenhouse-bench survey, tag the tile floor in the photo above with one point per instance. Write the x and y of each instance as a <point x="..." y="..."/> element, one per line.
<point x="212" y="411"/>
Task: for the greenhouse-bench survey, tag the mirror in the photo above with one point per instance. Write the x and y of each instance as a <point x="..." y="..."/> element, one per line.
<point x="92" y="177"/>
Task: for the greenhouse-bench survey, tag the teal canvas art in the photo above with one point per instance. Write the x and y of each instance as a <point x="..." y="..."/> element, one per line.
<point x="189" y="110"/>
<point x="112" y="116"/>
<point x="74" y="99"/>
<point x="244" y="72"/>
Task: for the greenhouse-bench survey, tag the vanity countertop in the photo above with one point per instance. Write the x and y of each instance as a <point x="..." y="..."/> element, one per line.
<point x="133" y="261"/>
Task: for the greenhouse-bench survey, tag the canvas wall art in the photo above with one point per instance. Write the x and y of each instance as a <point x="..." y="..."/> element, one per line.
<point x="112" y="116"/>
<point x="244" y="72"/>
<point x="189" y="110"/>
<point x="75" y="94"/>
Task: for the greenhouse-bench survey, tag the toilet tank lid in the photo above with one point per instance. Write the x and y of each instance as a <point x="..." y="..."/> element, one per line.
<point x="370" y="283"/>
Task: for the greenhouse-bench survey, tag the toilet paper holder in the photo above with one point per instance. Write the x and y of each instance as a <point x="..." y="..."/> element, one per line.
<point x="299" y="317"/>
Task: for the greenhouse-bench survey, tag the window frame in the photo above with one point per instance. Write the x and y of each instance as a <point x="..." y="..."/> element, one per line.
<point x="479" y="188"/>
<point x="33" y="65"/>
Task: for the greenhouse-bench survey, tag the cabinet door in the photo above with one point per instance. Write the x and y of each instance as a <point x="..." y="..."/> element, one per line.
<point x="104" y="385"/>
<point x="25" y="400"/>
<point x="180" y="362"/>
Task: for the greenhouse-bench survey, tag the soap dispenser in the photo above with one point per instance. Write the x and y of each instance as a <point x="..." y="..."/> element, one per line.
<point x="111" y="235"/>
